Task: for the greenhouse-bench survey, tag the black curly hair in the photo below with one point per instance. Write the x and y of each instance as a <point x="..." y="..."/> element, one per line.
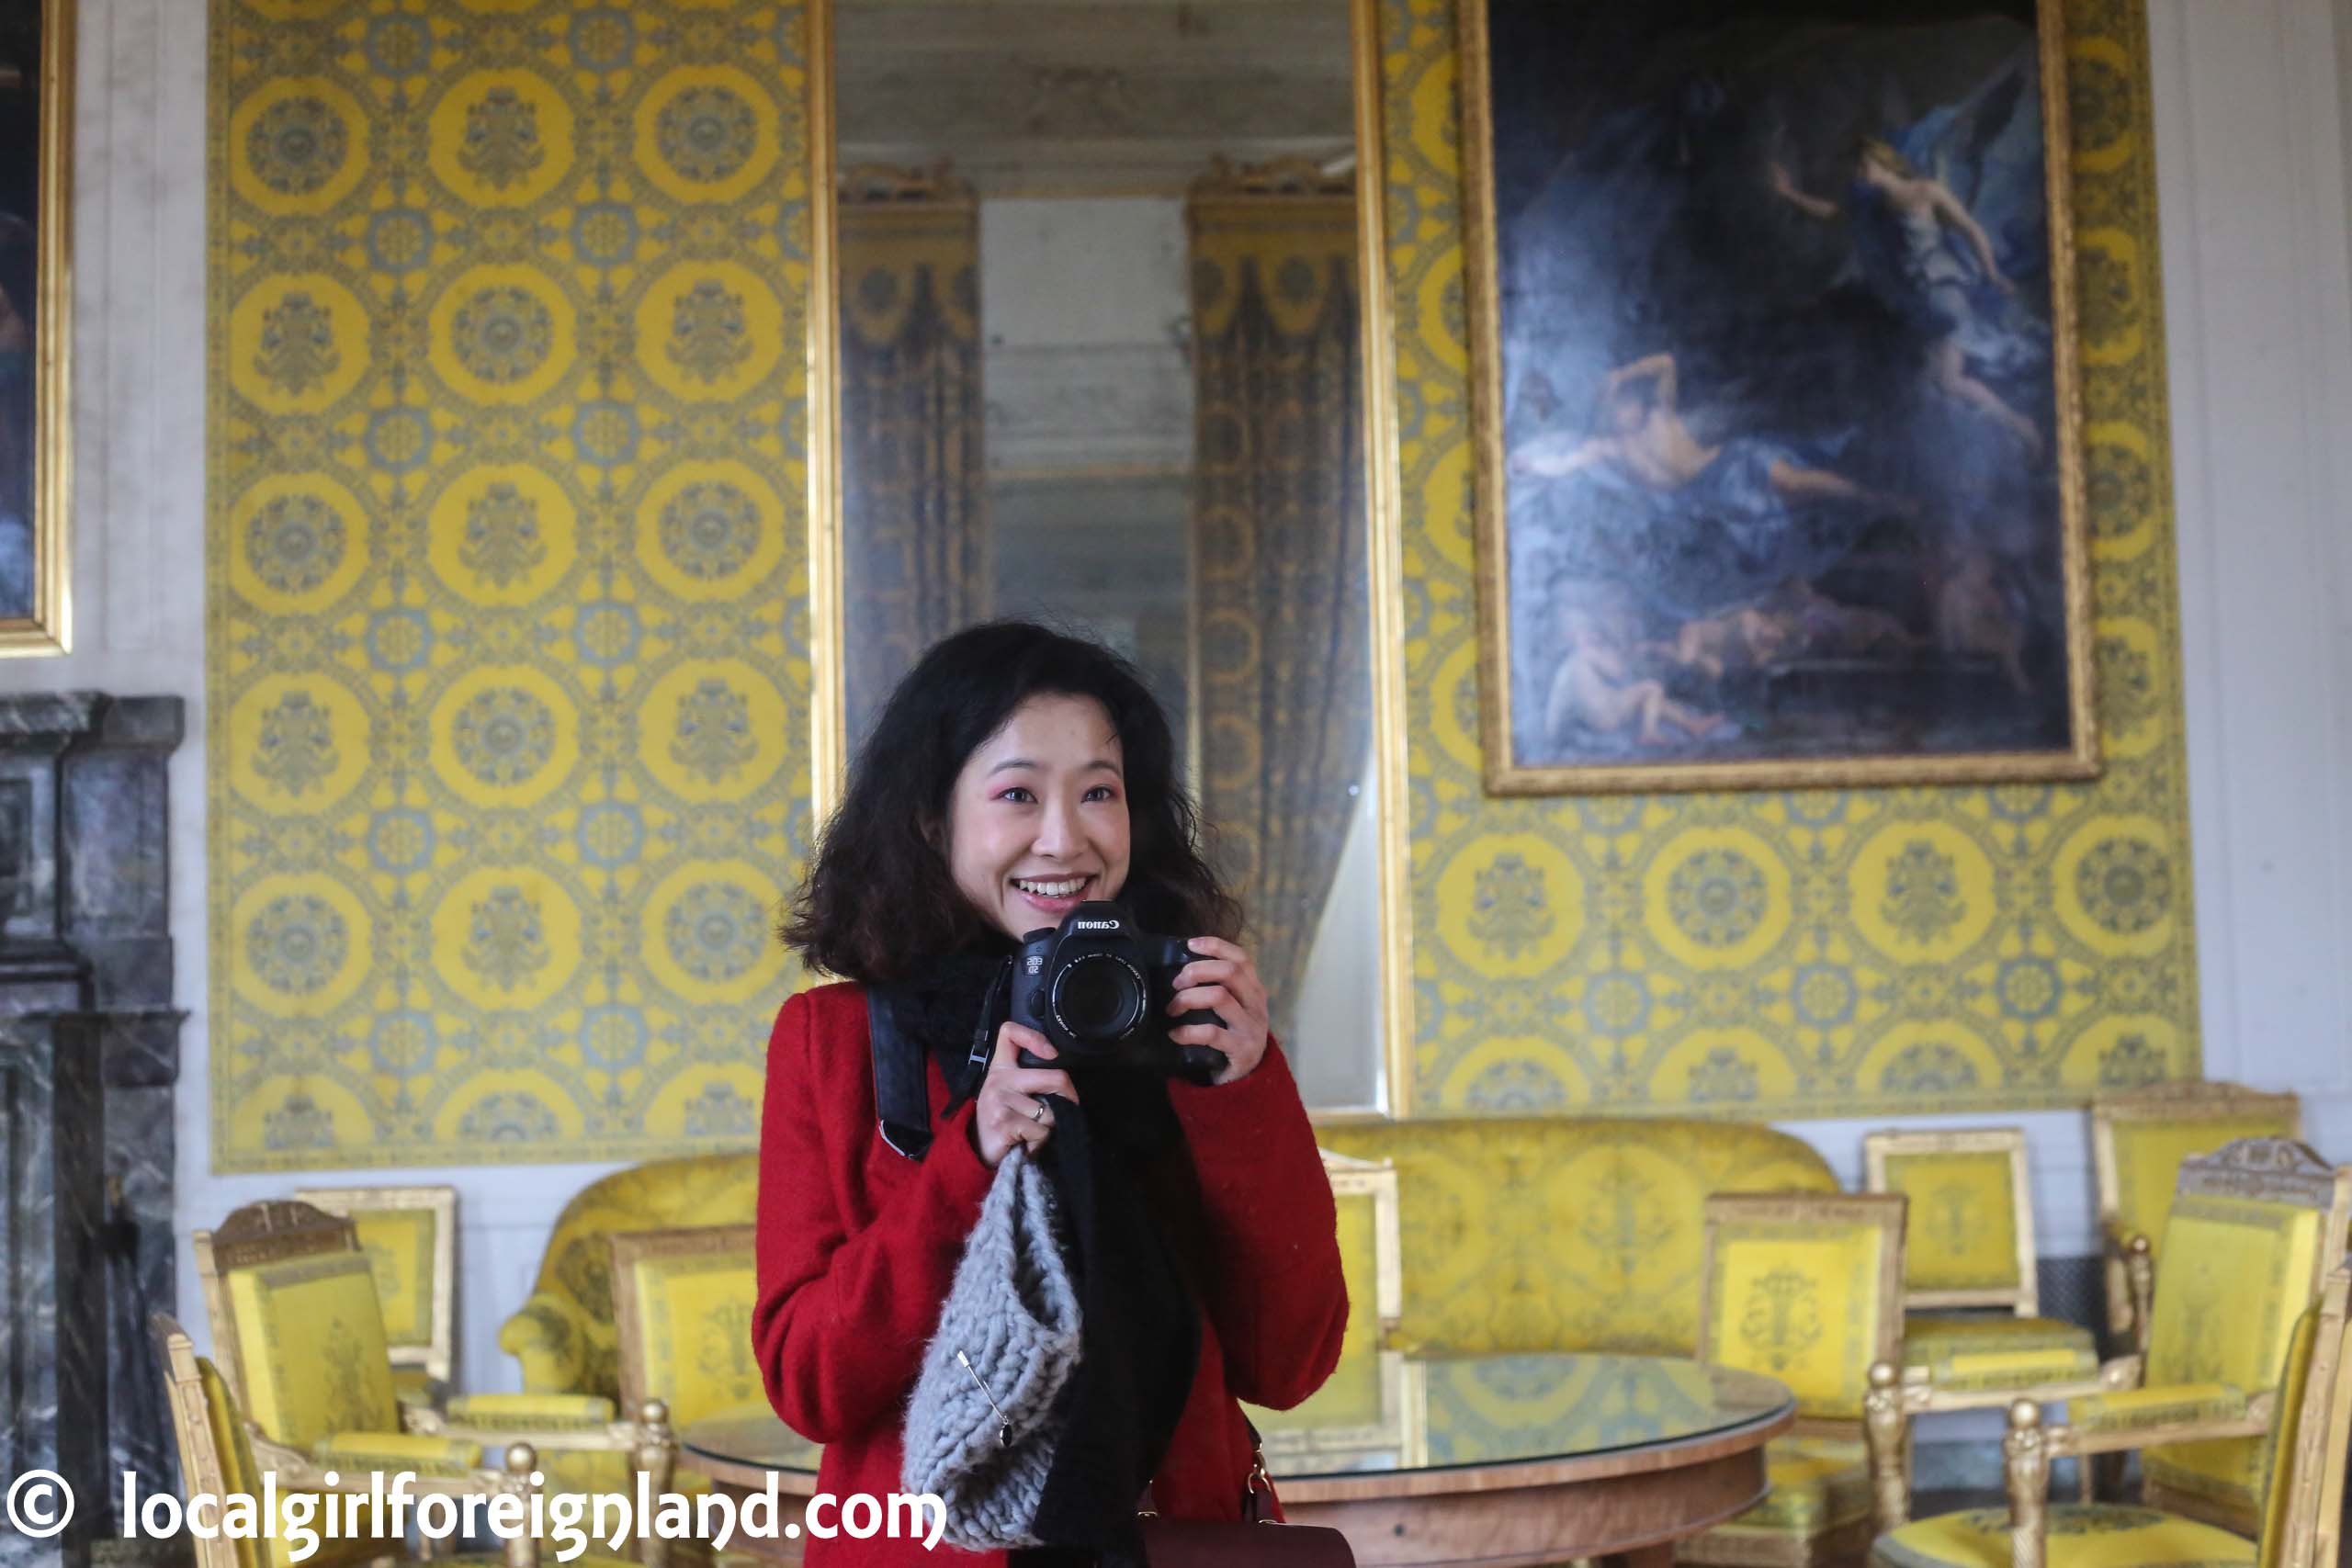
<point x="879" y="894"/>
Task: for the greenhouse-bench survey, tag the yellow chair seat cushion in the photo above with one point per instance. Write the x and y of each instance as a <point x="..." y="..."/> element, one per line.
<point x="2095" y="1534"/>
<point x="2135" y="1410"/>
<point x="393" y="1452"/>
<point x="1969" y="1355"/>
<point x="532" y="1412"/>
<point x="1819" y="1483"/>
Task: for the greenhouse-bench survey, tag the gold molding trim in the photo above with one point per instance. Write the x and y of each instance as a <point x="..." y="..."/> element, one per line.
<point x="1502" y="777"/>
<point x="828" y="693"/>
<point x="50" y="629"/>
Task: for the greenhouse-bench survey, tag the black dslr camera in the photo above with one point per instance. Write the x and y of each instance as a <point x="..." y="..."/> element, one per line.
<point x="1098" y="988"/>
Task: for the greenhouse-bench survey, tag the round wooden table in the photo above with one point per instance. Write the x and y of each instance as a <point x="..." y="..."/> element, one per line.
<point x="1473" y="1460"/>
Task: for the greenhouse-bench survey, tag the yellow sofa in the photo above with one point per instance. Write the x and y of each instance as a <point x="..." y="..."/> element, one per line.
<point x="1563" y="1233"/>
<point x="1520" y="1234"/>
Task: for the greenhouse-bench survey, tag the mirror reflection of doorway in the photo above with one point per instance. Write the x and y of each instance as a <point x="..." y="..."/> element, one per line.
<point x="1101" y="366"/>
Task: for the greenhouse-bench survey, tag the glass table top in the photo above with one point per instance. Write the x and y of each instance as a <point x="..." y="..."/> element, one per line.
<point x="1389" y="1413"/>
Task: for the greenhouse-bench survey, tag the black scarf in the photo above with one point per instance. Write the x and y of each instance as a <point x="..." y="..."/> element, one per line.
<point x="1129" y="1201"/>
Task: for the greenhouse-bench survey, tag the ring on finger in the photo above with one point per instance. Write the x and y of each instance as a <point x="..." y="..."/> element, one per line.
<point x="1041" y="1113"/>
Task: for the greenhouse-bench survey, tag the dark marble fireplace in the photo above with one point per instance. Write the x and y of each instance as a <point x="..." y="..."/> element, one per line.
<point x="89" y="1050"/>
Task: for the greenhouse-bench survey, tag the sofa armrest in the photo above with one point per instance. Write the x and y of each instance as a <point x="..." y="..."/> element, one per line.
<point x="548" y="1338"/>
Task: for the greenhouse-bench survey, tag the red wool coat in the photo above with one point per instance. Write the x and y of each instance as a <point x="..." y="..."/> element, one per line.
<point x="857" y="1246"/>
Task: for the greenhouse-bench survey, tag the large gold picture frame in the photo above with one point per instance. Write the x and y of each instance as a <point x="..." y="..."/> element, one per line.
<point x="1708" y="751"/>
<point x="828" y="702"/>
<point x="36" y="449"/>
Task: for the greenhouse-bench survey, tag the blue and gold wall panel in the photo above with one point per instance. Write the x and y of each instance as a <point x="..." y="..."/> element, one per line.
<point x="1819" y="953"/>
<point x="507" y="642"/>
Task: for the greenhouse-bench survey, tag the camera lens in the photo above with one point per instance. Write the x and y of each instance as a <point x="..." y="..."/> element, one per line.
<point x="1098" y="998"/>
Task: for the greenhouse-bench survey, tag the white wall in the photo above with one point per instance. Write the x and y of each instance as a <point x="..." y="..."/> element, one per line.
<point x="2251" y="108"/>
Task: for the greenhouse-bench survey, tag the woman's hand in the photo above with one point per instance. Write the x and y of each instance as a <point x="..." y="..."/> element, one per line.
<point x="1223" y="980"/>
<point x="1011" y="1108"/>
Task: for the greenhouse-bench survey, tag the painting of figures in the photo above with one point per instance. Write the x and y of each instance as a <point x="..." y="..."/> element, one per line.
<point x="33" y="47"/>
<point x="1780" y="479"/>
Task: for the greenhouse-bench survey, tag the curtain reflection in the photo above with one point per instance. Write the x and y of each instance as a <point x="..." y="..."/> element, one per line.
<point x="914" y="513"/>
<point x="1280" y="543"/>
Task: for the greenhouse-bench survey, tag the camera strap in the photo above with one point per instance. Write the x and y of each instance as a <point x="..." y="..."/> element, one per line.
<point x="902" y="1098"/>
<point x="901" y="1084"/>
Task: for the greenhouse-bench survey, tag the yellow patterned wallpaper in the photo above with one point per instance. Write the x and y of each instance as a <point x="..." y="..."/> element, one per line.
<point x="507" y="641"/>
<point x="1819" y="953"/>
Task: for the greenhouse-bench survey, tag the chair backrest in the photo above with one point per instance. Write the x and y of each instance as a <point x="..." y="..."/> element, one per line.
<point x="2140" y="1137"/>
<point x="1358" y="1406"/>
<point x="1564" y="1233"/>
<point x="1807" y="1288"/>
<point x="2303" y="1510"/>
<point x="2256" y="1228"/>
<point x="682" y="1318"/>
<point x="410" y="1235"/>
<point x="1969" y="1240"/>
<point x="297" y="1322"/>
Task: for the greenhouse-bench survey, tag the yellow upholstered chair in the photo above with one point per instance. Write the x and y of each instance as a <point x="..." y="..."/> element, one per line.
<point x="2300" y="1518"/>
<point x="410" y="1235"/>
<point x="1967" y="1245"/>
<point x="2138" y="1140"/>
<point x="1564" y="1233"/>
<point x="2254" y="1228"/>
<point x="222" y="1455"/>
<point x="682" y="1316"/>
<point x="1808" y="1289"/>
<point x="563" y="1334"/>
<point x="1361" y="1406"/>
<point x="300" y="1335"/>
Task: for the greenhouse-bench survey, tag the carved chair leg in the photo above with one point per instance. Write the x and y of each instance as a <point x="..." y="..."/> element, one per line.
<point x="1883" y="1434"/>
<point x="2026" y="1459"/>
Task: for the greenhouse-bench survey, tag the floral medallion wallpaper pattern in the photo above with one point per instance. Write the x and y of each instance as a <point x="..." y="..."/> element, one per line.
<point x="507" y="645"/>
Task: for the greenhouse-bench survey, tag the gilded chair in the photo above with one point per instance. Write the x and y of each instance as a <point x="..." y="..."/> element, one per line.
<point x="1967" y="1245"/>
<point x="2255" y="1228"/>
<point x="2138" y="1140"/>
<point x="682" y="1314"/>
<point x="300" y="1333"/>
<point x="410" y="1235"/>
<point x="1361" y="1405"/>
<point x="1808" y="1289"/>
<point x="222" y="1454"/>
<point x="563" y="1334"/>
<point x="2298" y="1517"/>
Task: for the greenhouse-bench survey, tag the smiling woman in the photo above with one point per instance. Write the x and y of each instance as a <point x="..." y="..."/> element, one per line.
<point x="1100" y="357"/>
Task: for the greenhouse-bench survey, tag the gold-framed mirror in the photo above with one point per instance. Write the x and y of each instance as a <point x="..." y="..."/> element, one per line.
<point x="1100" y="336"/>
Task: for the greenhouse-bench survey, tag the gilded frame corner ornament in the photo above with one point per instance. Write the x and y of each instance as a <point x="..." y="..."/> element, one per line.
<point x="49" y="629"/>
<point x="828" y="696"/>
<point x="2081" y="758"/>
